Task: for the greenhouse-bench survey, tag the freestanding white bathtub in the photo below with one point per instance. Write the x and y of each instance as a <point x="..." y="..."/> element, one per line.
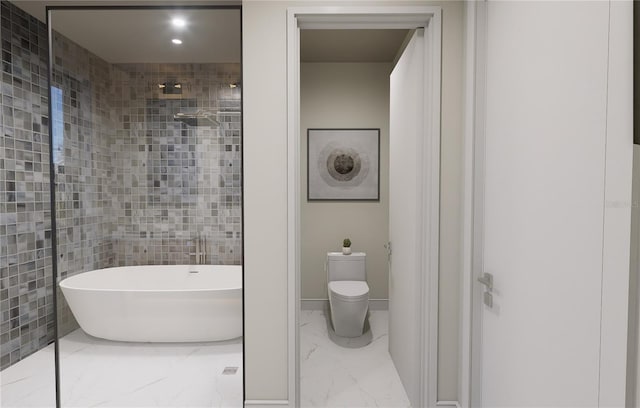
<point x="163" y="303"/>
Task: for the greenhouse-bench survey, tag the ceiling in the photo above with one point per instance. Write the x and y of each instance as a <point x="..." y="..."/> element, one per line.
<point x="37" y="8"/>
<point x="213" y="35"/>
<point x="350" y="45"/>
<point x="132" y="36"/>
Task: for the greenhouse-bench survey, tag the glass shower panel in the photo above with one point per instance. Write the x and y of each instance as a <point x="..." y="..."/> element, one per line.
<point x="147" y="148"/>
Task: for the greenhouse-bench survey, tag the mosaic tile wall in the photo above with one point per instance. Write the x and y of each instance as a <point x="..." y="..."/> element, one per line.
<point x="175" y="183"/>
<point x="83" y="175"/>
<point x="26" y="289"/>
<point x="82" y="124"/>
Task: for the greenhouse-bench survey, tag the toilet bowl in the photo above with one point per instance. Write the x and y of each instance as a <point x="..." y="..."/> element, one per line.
<point x="349" y="302"/>
<point x="348" y="293"/>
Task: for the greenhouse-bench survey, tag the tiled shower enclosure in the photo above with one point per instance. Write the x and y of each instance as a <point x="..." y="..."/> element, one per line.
<point x="133" y="186"/>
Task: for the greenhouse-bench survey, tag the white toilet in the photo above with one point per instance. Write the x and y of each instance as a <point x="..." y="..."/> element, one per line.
<point x="348" y="292"/>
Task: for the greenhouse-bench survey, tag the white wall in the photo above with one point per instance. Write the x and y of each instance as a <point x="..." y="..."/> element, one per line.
<point x="265" y="199"/>
<point x="633" y="345"/>
<point x="265" y="180"/>
<point x="344" y="95"/>
<point x="617" y="214"/>
<point x="633" y="380"/>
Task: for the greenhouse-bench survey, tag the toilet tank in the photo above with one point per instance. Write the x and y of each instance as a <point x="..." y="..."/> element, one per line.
<point x="346" y="267"/>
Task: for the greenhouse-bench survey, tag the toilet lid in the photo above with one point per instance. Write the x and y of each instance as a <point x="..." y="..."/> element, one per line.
<point x="349" y="288"/>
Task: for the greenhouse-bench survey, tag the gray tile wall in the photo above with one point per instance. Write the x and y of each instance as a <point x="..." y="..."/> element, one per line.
<point x="26" y="306"/>
<point x="83" y="166"/>
<point x="132" y="185"/>
<point x="173" y="182"/>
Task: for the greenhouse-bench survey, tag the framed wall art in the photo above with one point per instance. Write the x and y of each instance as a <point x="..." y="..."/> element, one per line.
<point x="343" y="164"/>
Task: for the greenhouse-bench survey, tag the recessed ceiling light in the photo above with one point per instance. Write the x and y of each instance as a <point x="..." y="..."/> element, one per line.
<point x="176" y="41"/>
<point x="178" y="22"/>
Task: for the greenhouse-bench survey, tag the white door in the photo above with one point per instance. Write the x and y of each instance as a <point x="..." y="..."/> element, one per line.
<point x="544" y="186"/>
<point x="406" y="135"/>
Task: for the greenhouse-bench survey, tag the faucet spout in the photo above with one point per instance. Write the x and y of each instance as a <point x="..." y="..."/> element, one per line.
<point x="203" y="250"/>
<point x="198" y="250"/>
<point x="200" y="244"/>
<point x="196" y="244"/>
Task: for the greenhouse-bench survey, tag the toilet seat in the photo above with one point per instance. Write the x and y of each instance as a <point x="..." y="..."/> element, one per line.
<point x="349" y="290"/>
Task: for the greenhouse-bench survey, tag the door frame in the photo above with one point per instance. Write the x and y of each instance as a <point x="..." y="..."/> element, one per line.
<point x="400" y="17"/>
<point x="472" y="202"/>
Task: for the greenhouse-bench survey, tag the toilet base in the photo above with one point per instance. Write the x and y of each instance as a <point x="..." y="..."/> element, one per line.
<point x="348" y="342"/>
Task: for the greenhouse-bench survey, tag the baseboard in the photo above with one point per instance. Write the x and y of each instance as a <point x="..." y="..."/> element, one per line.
<point x="266" y="403"/>
<point x="448" y="404"/>
<point x="378" y="304"/>
<point x="318" y="304"/>
<point x="313" y="304"/>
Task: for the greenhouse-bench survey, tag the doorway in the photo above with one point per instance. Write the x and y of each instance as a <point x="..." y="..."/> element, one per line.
<point x="426" y="222"/>
<point x="344" y="100"/>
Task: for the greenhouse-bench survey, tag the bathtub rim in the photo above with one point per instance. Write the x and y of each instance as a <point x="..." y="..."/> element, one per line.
<point x="64" y="284"/>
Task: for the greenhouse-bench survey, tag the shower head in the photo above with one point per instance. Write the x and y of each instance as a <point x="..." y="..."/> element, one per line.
<point x="199" y="118"/>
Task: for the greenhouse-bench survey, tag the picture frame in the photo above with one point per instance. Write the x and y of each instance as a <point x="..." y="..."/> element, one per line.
<point x="343" y="164"/>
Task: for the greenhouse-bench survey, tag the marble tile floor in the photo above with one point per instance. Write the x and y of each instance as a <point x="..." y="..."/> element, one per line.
<point x="333" y="377"/>
<point x="101" y="373"/>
